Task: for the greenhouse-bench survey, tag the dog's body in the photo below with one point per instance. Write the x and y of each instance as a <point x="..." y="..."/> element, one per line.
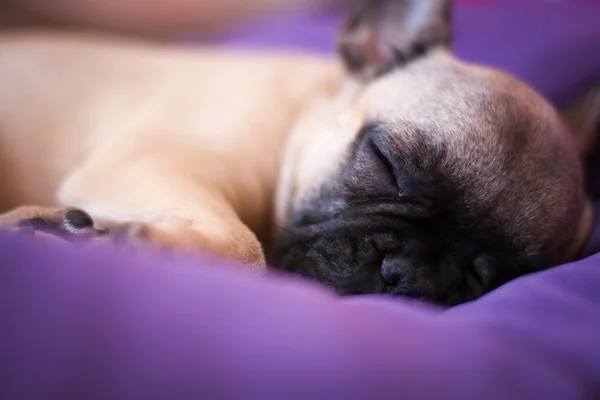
<point x="143" y="133"/>
<point x="407" y="172"/>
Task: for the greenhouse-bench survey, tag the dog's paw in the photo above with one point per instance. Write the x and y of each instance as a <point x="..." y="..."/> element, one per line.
<point x="64" y="223"/>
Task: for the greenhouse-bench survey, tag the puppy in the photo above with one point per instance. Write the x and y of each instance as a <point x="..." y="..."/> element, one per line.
<point x="429" y="177"/>
<point x="395" y="169"/>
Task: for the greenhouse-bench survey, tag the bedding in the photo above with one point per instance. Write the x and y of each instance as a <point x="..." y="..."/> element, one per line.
<point x="99" y="324"/>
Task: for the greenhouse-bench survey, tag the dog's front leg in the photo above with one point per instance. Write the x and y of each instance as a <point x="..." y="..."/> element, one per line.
<point x="145" y="200"/>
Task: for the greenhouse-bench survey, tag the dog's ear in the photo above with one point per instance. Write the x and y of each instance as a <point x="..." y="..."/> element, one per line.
<point x="379" y="35"/>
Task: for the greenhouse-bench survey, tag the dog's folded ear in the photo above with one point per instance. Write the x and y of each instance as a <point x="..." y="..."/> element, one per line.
<point x="379" y="35"/>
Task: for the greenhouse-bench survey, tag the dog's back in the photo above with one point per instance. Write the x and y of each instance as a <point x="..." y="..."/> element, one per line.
<point x="220" y="115"/>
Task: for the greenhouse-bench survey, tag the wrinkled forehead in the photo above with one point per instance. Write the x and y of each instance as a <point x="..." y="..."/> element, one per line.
<point x="441" y="94"/>
<point x="436" y="102"/>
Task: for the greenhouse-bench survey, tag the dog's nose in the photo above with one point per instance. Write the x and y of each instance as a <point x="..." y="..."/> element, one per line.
<point x="394" y="269"/>
<point x="389" y="272"/>
<point x="398" y="275"/>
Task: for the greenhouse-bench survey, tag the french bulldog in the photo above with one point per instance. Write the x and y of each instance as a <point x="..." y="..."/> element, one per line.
<point x="395" y="168"/>
<point x="429" y="177"/>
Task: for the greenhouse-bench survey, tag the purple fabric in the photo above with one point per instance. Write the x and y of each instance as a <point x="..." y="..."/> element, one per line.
<point x="95" y="325"/>
<point x="552" y="45"/>
<point x="101" y="325"/>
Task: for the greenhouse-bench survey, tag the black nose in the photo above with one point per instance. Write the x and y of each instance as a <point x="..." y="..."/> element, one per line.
<point x="399" y="275"/>
<point x="393" y="269"/>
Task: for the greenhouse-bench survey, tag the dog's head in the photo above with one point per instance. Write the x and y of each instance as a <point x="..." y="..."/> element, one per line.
<point x="426" y="176"/>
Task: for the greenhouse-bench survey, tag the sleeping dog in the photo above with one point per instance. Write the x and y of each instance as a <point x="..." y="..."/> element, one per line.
<point x="395" y="168"/>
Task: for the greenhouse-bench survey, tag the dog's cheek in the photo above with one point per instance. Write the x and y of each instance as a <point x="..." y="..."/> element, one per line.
<point x="338" y="263"/>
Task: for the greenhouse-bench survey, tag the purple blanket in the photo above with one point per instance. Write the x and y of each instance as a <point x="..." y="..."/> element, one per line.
<point x="91" y="325"/>
<point x="100" y="325"/>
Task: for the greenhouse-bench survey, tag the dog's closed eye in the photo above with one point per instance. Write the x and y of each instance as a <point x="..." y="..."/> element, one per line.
<point x="373" y="163"/>
<point x="384" y="166"/>
<point x="377" y="179"/>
